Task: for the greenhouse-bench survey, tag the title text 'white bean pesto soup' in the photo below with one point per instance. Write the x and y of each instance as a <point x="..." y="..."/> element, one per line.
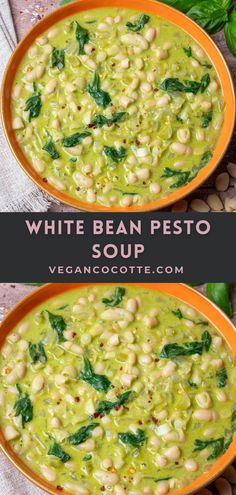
<point x="116" y="107"/>
<point x="120" y="390"/>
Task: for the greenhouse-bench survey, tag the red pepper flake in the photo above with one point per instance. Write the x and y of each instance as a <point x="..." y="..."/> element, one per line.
<point x="92" y="126"/>
<point x="45" y="180"/>
<point x="155" y="420"/>
<point x="117" y="407"/>
<point x="59" y="488"/>
<point x="97" y="415"/>
<point x="77" y="399"/>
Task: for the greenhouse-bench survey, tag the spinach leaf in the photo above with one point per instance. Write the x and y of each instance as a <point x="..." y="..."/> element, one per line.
<point x="186" y="86"/>
<point x="211" y="16"/>
<point x="23" y="407"/>
<point x="206" y="119"/>
<point x="219" y="293"/>
<point x="182" y="177"/>
<point x="82" y="434"/>
<point x="139" y="24"/>
<point x="216" y="445"/>
<point x="101" y="120"/>
<point x="50" y="148"/>
<point x="74" y="139"/>
<point x="82" y="36"/>
<point x="171" y="351"/>
<point x="222" y="377"/>
<point x="116" y="154"/>
<point x="101" y="97"/>
<point x="136" y="440"/>
<point x="206" y="157"/>
<point x="206" y="340"/>
<point x="233" y="422"/>
<point x="230" y="33"/>
<point x="188" y="51"/>
<point x="34" y="104"/>
<point x="116" y="298"/>
<point x="58" y="324"/>
<point x="178" y="313"/>
<point x="57" y="451"/>
<point x="58" y="58"/>
<point x="87" y="457"/>
<point x="37" y="353"/>
<point x="105" y="406"/>
<point x="205" y="81"/>
<point x="99" y="382"/>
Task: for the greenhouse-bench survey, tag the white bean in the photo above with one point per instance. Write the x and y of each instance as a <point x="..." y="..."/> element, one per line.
<point x="107" y="479"/>
<point x="76" y="488"/>
<point x="11" y="433"/>
<point x="162" y="487"/>
<point x="150" y="35"/>
<point x="50" y="86"/>
<point x="173" y="453"/>
<point x="169" y="369"/>
<point x="49" y="473"/>
<point x="37" y="384"/>
<point x="183" y="135"/>
<point x="191" y="465"/>
<point x="162" y="102"/>
<point x="202" y="414"/>
<point x="203" y="400"/>
<point x="17" y="123"/>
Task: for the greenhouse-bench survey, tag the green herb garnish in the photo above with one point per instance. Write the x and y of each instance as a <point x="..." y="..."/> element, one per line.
<point x="222" y="377"/>
<point x="172" y="84"/>
<point x="50" y="148"/>
<point x="58" y="58"/>
<point x="74" y="139"/>
<point x="105" y="406"/>
<point x="34" y="104"/>
<point x="82" y="434"/>
<point x="217" y="447"/>
<point x="23" y="406"/>
<point x="99" y="382"/>
<point x="101" y="97"/>
<point x="116" y="297"/>
<point x="116" y="154"/>
<point x="57" y="451"/>
<point x="139" y="24"/>
<point x="206" y="119"/>
<point x="136" y="440"/>
<point x="82" y="36"/>
<point x="101" y="120"/>
<point x="58" y="324"/>
<point x="37" y="353"/>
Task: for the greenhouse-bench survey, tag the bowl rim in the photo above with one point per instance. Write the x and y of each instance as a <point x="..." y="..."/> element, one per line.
<point x="180" y="291"/>
<point x="150" y="6"/>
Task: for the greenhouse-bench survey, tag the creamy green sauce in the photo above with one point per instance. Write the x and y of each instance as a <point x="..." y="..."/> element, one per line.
<point x="165" y="373"/>
<point x="166" y="134"/>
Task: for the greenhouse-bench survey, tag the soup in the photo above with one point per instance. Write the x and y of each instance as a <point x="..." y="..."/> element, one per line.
<point x="117" y="389"/>
<point x="117" y="108"/>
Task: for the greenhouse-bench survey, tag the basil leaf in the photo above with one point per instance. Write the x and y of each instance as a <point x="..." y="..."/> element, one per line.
<point x="182" y="5"/>
<point x="233" y="422"/>
<point x="99" y="382"/>
<point x="23" y="407"/>
<point x="58" y="324"/>
<point x="116" y="298"/>
<point x="82" y="36"/>
<point x="50" y="148"/>
<point x="230" y="33"/>
<point x="116" y="154"/>
<point x="216" y="445"/>
<point x="170" y="351"/>
<point x="58" y="58"/>
<point x="101" y="120"/>
<point x="206" y="157"/>
<point x="211" y="16"/>
<point x="57" y="451"/>
<point x="87" y="457"/>
<point x="219" y="293"/>
<point x="136" y="440"/>
<point x="101" y="97"/>
<point x="37" y="353"/>
<point x="139" y="24"/>
<point x="178" y="313"/>
<point x="74" y="139"/>
<point x="206" y="339"/>
<point x="188" y="51"/>
<point x="104" y="407"/>
<point x="34" y="104"/>
<point x="222" y="377"/>
<point x="82" y="434"/>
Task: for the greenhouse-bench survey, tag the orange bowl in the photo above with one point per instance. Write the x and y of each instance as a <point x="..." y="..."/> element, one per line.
<point x="179" y="291"/>
<point x="151" y="7"/>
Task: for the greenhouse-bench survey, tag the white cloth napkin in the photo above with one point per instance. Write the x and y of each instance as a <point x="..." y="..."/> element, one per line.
<point x="17" y="191"/>
<point x="13" y="482"/>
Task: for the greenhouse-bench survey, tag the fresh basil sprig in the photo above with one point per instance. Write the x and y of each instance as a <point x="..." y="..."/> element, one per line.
<point x="139" y="24"/>
<point x="58" y="324"/>
<point x="23" y="406"/>
<point x="82" y="36"/>
<point x="216" y="445"/>
<point x="135" y="439"/>
<point x="230" y="33"/>
<point x="101" y="97"/>
<point x="82" y="434"/>
<point x="116" y="297"/>
<point x="57" y="451"/>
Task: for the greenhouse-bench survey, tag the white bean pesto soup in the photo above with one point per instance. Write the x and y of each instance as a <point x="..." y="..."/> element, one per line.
<point x="121" y="390"/>
<point x="116" y="107"/>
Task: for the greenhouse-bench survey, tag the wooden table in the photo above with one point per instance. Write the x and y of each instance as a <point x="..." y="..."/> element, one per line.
<point x="27" y="12"/>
